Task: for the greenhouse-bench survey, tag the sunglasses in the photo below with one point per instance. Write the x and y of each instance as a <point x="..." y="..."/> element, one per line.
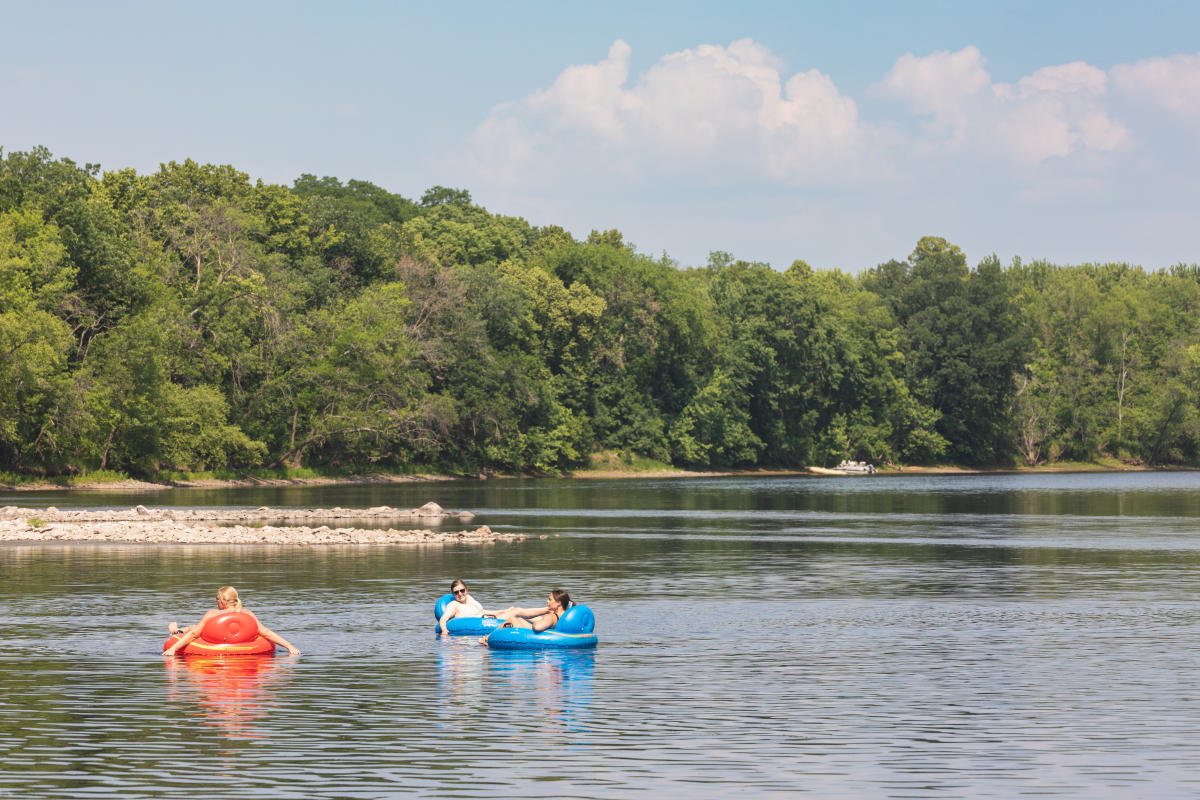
<point x="460" y="591"/>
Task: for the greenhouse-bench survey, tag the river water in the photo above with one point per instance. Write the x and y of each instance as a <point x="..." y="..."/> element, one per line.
<point x="968" y="636"/>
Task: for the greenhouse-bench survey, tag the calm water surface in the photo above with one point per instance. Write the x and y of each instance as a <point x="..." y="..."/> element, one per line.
<point x="976" y="636"/>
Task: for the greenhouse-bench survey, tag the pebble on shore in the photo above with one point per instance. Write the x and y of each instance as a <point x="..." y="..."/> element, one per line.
<point x="239" y="526"/>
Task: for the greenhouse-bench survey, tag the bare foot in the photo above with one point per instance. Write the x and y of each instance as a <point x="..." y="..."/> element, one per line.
<point x="173" y="628"/>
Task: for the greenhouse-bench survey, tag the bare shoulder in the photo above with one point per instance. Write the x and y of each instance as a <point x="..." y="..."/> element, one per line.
<point x="212" y="612"/>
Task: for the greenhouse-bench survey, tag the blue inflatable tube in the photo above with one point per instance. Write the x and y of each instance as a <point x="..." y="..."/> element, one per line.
<point x="574" y="630"/>
<point x="470" y="626"/>
<point x="462" y="626"/>
<point x="525" y="639"/>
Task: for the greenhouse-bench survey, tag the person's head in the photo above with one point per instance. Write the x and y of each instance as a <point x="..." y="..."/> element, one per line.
<point x="227" y="598"/>
<point x="458" y="589"/>
<point x="561" y="598"/>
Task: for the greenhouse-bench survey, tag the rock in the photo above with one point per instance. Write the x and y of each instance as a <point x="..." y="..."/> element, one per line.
<point x="466" y="516"/>
<point x="236" y="526"/>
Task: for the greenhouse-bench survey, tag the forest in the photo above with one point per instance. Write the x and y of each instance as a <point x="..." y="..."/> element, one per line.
<point x="194" y="319"/>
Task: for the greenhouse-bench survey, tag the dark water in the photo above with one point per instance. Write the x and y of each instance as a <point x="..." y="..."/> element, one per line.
<point x="862" y="637"/>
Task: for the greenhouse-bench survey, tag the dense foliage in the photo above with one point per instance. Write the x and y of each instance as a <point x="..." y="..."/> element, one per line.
<point x="193" y="319"/>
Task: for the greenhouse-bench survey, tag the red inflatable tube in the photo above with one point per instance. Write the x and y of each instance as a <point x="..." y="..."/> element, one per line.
<point x="233" y="633"/>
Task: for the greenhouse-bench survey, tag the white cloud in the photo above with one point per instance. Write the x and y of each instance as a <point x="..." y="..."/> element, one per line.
<point x="589" y="97"/>
<point x="1076" y="78"/>
<point x="724" y="109"/>
<point x="1172" y="83"/>
<point x="720" y="146"/>
<point x="1056" y="112"/>
<point x="942" y="84"/>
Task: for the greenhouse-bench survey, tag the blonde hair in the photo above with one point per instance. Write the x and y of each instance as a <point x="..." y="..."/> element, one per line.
<point x="229" y="596"/>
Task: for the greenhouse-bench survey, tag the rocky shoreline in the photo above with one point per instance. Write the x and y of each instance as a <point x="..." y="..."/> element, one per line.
<point x="290" y="526"/>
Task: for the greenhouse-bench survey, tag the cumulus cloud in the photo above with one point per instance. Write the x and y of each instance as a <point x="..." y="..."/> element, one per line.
<point x="1056" y="112"/>
<point x="1171" y="83"/>
<point x="732" y="118"/>
<point x="711" y="107"/>
<point x="943" y="85"/>
<point x="590" y="97"/>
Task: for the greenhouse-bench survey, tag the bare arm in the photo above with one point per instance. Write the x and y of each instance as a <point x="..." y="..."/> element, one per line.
<point x="274" y="638"/>
<point x="183" y="641"/>
<point x="545" y="622"/>
<point x="188" y="634"/>
<point x="447" y="615"/>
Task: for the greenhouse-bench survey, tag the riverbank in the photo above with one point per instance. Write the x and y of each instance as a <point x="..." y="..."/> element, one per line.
<point x="313" y="526"/>
<point x="135" y="485"/>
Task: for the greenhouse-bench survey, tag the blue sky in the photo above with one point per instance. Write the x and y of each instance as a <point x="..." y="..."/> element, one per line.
<point x="834" y="133"/>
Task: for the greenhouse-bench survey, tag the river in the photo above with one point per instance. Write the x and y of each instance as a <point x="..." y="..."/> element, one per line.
<point x="883" y="636"/>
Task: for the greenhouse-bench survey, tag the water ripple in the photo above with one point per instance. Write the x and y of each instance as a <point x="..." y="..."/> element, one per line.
<point x="896" y="638"/>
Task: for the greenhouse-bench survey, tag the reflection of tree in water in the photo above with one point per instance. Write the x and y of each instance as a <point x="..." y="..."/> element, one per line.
<point x="232" y="692"/>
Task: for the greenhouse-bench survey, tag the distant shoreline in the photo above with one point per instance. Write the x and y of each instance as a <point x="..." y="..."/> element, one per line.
<point x="135" y="485"/>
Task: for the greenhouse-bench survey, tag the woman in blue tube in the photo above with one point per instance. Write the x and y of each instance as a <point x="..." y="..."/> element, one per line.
<point x="463" y="605"/>
<point x="536" y="619"/>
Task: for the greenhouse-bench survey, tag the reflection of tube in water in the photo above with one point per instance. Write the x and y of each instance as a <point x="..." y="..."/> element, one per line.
<point x="460" y="676"/>
<point x="560" y="682"/>
<point x="230" y="693"/>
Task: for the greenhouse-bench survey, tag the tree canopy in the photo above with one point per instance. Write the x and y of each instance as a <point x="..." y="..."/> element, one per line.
<point x="194" y="319"/>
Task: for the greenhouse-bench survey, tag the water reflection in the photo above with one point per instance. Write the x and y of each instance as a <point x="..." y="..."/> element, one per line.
<point x="233" y="694"/>
<point x="1160" y="494"/>
<point x="460" y="673"/>
<point x="974" y="637"/>
<point x="556" y="686"/>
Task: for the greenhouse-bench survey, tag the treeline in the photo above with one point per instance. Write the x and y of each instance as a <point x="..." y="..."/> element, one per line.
<point x="192" y="319"/>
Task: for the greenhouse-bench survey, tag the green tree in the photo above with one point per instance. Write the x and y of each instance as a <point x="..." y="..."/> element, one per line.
<point x="347" y="393"/>
<point x="653" y="345"/>
<point x="34" y="343"/>
<point x="963" y="344"/>
<point x="440" y="195"/>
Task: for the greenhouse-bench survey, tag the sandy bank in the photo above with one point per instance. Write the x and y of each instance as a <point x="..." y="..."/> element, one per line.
<point x="313" y="526"/>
